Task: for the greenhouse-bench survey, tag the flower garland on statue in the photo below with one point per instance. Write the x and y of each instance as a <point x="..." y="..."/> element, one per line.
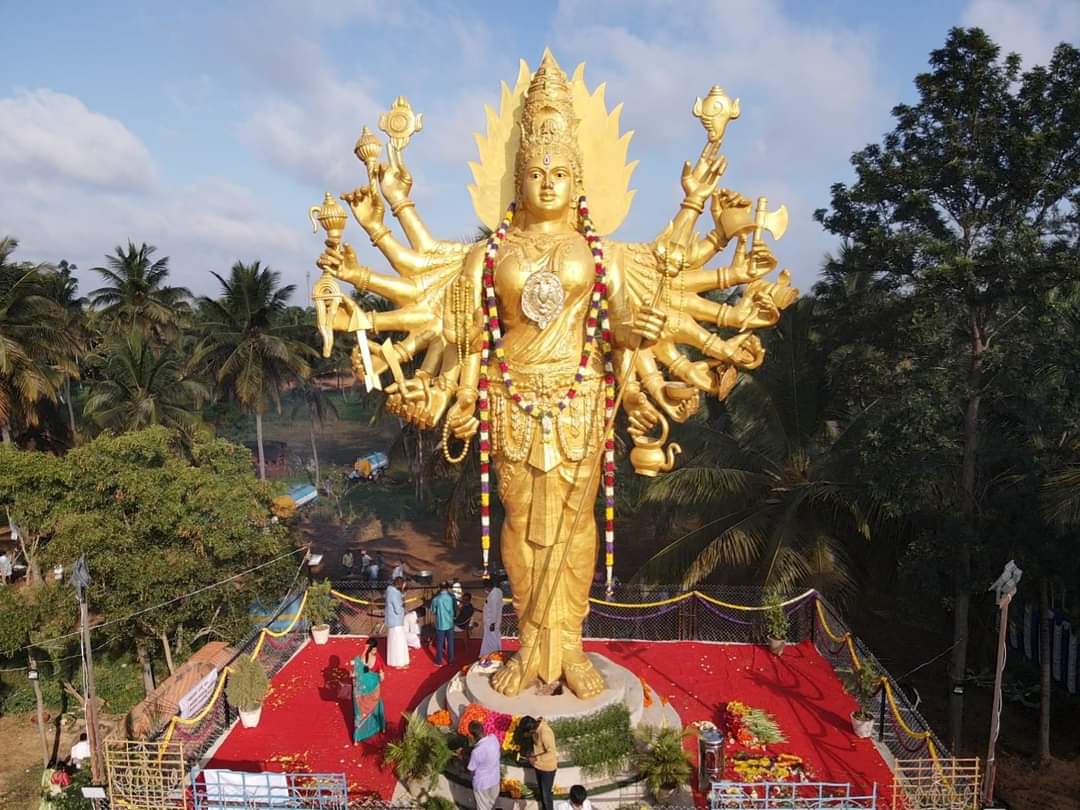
<point x="597" y="323"/>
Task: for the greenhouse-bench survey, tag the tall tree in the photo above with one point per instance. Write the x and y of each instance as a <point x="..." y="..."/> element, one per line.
<point x="158" y="518"/>
<point x="136" y="295"/>
<point x="62" y="288"/>
<point x="967" y="209"/>
<point x="317" y="403"/>
<point x="770" y="490"/>
<point x="36" y="347"/>
<point x="140" y="385"/>
<point x="249" y="348"/>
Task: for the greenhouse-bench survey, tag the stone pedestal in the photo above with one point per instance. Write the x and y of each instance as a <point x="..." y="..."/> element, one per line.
<point x="623" y="686"/>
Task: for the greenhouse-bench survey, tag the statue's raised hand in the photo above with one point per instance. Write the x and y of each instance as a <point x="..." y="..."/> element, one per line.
<point x="700" y="181"/>
<point x="395" y="181"/>
<point x="341" y="262"/>
<point x="367" y="207"/>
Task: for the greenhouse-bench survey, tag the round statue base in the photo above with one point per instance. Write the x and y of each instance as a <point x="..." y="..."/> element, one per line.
<point x="623" y="687"/>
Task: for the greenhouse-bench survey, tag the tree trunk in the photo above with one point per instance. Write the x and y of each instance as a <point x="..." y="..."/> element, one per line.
<point x="71" y="410"/>
<point x="969" y="516"/>
<point x="1046" y="625"/>
<point x="314" y="446"/>
<point x="33" y="567"/>
<point x="5" y="430"/>
<point x="167" y="649"/>
<point x="40" y="702"/>
<point x="259" y="442"/>
<point x="147" y="667"/>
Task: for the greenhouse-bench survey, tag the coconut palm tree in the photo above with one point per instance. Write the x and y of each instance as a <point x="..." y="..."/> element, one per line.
<point x="136" y="296"/>
<point x="142" y="385"/>
<point x="36" y="347"/>
<point x="770" y="491"/>
<point x="62" y="287"/>
<point x="317" y="403"/>
<point x="247" y="346"/>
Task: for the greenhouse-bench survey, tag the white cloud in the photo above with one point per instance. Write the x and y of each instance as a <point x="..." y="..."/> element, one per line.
<point x="1031" y="28"/>
<point x="43" y="132"/>
<point x="76" y="183"/>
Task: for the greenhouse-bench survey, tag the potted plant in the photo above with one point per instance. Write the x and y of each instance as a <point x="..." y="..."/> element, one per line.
<point x="246" y="688"/>
<point x="320" y="610"/>
<point x="661" y="761"/>
<point x="862" y="683"/>
<point x="420" y="756"/>
<point x="777" y="624"/>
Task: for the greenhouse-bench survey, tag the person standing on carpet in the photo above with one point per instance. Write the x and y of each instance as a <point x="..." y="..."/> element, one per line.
<point x="369" y="714"/>
<point x="370" y="657"/>
<point x="397" y="645"/>
<point x="484" y="766"/>
<point x="493" y="613"/>
<point x="443" y="608"/>
<point x="544" y="758"/>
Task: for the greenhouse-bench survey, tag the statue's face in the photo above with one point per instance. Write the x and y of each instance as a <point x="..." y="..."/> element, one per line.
<point x="547" y="189"/>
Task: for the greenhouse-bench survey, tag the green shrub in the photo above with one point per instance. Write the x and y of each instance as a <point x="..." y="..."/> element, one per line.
<point x="247" y="685"/>
<point x="600" y="743"/>
<point x="321" y="605"/>
<point x="422" y="754"/>
<point x="777" y="623"/>
<point x="660" y="759"/>
<point x="863" y="685"/>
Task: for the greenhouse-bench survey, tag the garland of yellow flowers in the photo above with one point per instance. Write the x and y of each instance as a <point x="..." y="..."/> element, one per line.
<point x="597" y="329"/>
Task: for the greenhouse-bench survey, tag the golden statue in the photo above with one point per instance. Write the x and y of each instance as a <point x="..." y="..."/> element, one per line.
<point x="534" y="337"/>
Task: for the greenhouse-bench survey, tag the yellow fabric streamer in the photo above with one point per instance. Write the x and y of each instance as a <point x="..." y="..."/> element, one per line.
<point x="670" y="601"/>
<point x="752" y="608"/>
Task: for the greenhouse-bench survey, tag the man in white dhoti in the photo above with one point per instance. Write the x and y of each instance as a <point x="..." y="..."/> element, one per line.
<point x="493" y="613"/>
<point x="397" y="645"/>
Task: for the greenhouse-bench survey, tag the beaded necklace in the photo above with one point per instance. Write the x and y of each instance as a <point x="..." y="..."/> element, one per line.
<point x="597" y="327"/>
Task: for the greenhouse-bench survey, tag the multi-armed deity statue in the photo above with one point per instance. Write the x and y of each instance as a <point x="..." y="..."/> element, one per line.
<point x="534" y="337"/>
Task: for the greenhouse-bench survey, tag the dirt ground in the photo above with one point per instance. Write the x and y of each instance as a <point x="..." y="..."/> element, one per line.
<point x="20" y="765"/>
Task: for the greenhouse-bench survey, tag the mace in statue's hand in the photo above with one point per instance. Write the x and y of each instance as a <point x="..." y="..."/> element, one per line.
<point x="462" y="415"/>
<point x="342" y="263"/>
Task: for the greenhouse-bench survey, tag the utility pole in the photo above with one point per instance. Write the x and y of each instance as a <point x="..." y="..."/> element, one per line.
<point x="80" y="578"/>
<point x="1004" y="587"/>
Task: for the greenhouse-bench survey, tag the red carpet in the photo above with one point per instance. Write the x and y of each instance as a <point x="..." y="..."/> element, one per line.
<point x="304" y="728"/>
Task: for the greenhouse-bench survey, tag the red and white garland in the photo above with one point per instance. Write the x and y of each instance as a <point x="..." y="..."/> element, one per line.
<point x="597" y="326"/>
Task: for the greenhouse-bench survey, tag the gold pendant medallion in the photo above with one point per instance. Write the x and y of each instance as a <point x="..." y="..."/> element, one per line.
<point x="542" y="297"/>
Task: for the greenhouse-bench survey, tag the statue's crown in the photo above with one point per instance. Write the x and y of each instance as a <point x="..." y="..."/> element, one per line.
<point x="548" y="123"/>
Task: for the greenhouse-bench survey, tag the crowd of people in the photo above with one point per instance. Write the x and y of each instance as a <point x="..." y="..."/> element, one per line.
<point x="452" y="611"/>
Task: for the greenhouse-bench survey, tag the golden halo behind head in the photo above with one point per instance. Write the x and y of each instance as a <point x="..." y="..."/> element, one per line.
<point x="603" y="153"/>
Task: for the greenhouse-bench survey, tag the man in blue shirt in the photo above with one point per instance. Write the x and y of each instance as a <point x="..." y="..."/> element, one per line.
<point x="397" y="646"/>
<point x="443" y="607"/>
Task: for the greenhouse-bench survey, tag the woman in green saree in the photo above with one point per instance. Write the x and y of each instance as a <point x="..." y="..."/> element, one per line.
<point x="369" y="716"/>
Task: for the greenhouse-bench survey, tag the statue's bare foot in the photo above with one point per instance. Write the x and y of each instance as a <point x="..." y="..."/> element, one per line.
<point x="582" y="678"/>
<point x="511" y="676"/>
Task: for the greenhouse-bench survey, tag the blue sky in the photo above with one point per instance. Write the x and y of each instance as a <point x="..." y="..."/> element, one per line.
<point x="208" y="129"/>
